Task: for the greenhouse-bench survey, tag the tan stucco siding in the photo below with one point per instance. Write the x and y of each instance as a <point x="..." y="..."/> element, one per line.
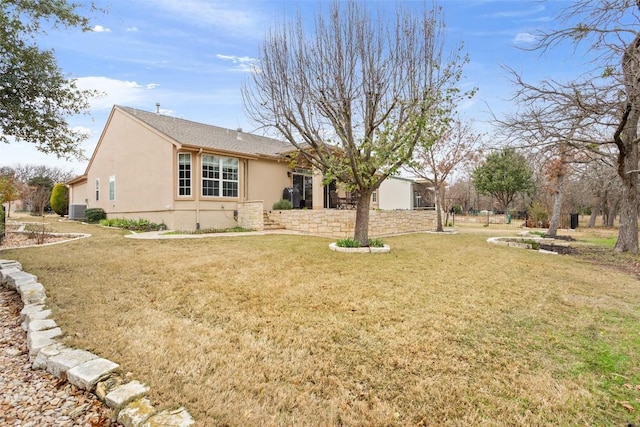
<point x="78" y="194"/>
<point x="141" y="163"/>
<point x="266" y="180"/>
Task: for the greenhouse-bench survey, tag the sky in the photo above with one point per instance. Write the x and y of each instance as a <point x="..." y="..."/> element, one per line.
<point x="192" y="57"/>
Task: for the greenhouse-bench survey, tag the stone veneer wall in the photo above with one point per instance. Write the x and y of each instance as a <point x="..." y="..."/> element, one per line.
<point x="251" y="215"/>
<point x="340" y="223"/>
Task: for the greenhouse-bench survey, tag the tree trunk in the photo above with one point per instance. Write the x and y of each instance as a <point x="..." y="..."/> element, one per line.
<point x="361" y="228"/>
<point x="627" y="142"/>
<point x="613" y="213"/>
<point x="557" y="206"/>
<point x="593" y="217"/>
<point x="438" y="201"/>
<point x="628" y="229"/>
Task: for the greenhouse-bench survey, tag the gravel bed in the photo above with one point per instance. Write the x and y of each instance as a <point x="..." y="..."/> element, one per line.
<point x="37" y="398"/>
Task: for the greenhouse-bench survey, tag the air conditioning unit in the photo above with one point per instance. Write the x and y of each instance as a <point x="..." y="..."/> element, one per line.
<point x="76" y="212"/>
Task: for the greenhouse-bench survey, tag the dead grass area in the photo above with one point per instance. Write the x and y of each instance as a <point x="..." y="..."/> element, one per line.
<point x="278" y="330"/>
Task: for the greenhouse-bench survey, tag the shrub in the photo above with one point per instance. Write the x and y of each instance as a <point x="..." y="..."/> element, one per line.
<point x="59" y="200"/>
<point x="282" y="204"/>
<point x="236" y="229"/>
<point x="133" y="224"/>
<point x="352" y="243"/>
<point x="94" y="215"/>
<point x="537" y="216"/>
<point x="376" y="243"/>
<point x="348" y="243"/>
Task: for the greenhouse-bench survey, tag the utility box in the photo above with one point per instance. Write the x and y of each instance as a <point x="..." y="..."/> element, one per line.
<point x="76" y="212"/>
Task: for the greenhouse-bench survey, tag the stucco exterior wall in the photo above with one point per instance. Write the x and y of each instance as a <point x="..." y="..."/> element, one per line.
<point x="395" y="193"/>
<point x="140" y="161"/>
<point x="266" y="180"/>
<point x="341" y="223"/>
<point x="78" y="194"/>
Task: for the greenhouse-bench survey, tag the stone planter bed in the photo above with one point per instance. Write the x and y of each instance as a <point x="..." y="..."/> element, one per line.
<point x="365" y="250"/>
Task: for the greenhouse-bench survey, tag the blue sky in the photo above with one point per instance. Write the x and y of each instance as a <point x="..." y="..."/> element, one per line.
<point x="192" y="56"/>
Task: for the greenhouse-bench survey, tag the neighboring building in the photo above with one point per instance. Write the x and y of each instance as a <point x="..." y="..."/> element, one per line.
<point x="190" y="175"/>
<point x="394" y="193"/>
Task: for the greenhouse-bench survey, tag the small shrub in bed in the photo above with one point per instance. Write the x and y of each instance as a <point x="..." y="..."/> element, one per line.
<point x="94" y="215"/>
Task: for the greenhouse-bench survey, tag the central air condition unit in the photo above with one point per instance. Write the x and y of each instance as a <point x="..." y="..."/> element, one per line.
<point x="77" y="211"/>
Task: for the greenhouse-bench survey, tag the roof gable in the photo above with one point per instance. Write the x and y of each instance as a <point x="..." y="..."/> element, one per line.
<point x="196" y="134"/>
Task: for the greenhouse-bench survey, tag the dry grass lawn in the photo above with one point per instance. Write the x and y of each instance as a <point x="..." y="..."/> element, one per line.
<point x="276" y="330"/>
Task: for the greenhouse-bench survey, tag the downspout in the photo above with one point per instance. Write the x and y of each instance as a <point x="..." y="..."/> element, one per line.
<point x="245" y="196"/>
<point x="197" y="194"/>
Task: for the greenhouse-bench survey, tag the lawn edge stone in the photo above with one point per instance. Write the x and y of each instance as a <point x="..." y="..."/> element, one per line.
<point x="87" y="374"/>
<point x="124" y="394"/>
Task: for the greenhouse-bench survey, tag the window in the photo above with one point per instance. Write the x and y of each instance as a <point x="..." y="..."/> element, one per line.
<point x="97" y="189"/>
<point x="219" y="176"/>
<point x="374" y="196"/>
<point x="112" y="188"/>
<point x="184" y="174"/>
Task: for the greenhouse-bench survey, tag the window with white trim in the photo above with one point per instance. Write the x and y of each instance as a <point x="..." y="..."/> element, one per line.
<point x="112" y="187"/>
<point x="374" y="197"/>
<point x="97" y="189"/>
<point x="219" y="176"/>
<point x="184" y="174"/>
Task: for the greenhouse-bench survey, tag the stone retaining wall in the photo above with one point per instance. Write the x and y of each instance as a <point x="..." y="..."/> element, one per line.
<point x="250" y="215"/>
<point x="340" y="223"/>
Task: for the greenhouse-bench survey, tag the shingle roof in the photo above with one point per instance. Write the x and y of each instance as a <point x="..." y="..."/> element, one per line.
<point x="207" y="136"/>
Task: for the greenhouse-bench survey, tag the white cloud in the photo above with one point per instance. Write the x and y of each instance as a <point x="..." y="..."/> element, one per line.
<point x="121" y="92"/>
<point x="101" y="29"/>
<point x="132" y="29"/>
<point x="243" y="64"/>
<point x="82" y="130"/>
<point x="151" y="85"/>
<point x="524" y="38"/>
<point x="240" y="18"/>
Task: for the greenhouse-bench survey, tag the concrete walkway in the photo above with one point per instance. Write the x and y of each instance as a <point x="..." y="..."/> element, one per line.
<point x="149" y="235"/>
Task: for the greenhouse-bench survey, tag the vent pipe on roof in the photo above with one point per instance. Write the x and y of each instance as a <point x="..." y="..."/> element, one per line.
<point x="157" y="108"/>
<point x="239" y="134"/>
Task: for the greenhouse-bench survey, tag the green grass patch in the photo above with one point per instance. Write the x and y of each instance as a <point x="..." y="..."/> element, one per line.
<point x="608" y="242"/>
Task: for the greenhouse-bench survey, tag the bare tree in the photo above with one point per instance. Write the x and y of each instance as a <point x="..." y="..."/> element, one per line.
<point x="605" y="101"/>
<point x="437" y="161"/>
<point x="24" y="173"/>
<point x="359" y="94"/>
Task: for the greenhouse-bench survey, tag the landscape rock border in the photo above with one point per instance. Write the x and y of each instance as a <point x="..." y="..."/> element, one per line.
<point x="71" y="236"/>
<point x="369" y="249"/>
<point x="508" y="241"/>
<point x="87" y="371"/>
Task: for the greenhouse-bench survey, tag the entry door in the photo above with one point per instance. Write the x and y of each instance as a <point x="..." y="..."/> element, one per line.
<point x="304" y="184"/>
<point x="327" y="194"/>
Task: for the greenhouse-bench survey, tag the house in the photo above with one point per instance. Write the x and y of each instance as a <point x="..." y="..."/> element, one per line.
<point x="191" y="175"/>
<point x="178" y="172"/>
